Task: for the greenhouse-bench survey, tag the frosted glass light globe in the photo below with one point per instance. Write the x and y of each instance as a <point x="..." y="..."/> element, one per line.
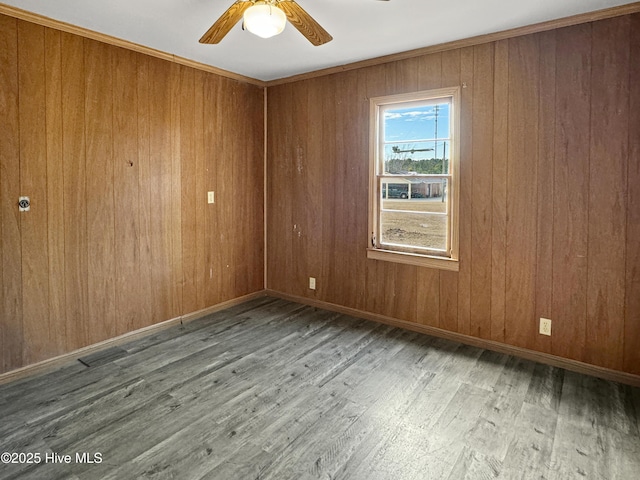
<point x="264" y="20"/>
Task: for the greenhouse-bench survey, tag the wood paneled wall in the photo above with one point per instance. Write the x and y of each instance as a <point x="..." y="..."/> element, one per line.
<point x="117" y="151"/>
<point x="550" y="199"/>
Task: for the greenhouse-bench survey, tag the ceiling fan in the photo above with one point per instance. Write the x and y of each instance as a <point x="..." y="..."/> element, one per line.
<point x="266" y="18"/>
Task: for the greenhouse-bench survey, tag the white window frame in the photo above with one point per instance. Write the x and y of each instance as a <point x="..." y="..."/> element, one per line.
<point x="448" y="260"/>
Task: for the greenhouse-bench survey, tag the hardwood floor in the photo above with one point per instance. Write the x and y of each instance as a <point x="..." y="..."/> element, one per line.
<point x="276" y="390"/>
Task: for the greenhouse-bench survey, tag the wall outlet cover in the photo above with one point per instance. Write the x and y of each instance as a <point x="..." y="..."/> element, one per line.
<point x="545" y="326"/>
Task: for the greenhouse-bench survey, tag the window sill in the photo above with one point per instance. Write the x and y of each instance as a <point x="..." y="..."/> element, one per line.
<point x="413" y="259"/>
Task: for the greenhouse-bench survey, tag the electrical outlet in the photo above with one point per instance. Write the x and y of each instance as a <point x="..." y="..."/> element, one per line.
<point x="312" y="283"/>
<point x="211" y="197"/>
<point x="545" y="326"/>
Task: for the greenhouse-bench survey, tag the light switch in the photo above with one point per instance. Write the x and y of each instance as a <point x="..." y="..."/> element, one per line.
<point x="211" y="198"/>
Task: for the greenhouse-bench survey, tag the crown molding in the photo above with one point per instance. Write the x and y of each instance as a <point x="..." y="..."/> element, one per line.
<point x="118" y="42"/>
<point x="469" y="42"/>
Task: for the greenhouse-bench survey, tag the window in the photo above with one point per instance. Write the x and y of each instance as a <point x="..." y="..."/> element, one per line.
<point x="413" y="200"/>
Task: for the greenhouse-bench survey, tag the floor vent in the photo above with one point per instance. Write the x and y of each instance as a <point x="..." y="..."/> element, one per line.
<point x="102" y="357"/>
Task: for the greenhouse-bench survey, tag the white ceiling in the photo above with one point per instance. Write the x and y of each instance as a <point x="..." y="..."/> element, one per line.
<point x="361" y="29"/>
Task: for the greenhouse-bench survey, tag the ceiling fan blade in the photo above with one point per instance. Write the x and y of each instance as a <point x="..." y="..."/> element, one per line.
<point x="226" y="22"/>
<point x="305" y="24"/>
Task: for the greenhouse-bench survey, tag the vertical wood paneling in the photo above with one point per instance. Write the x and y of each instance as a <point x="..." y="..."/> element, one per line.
<point x="430" y="72"/>
<point x="126" y="191"/>
<point x="240" y="203"/>
<point x="522" y="190"/>
<point x="428" y="297"/>
<point x="499" y="190"/>
<point x="55" y="191"/>
<point x="546" y="157"/>
<point x="449" y="280"/>
<point x="144" y="201"/>
<point x="300" y="162"/>
<point x="226" y="102"/>
<point x="466" y="189"/>
<point x="332" y="247"/>
<point x="75" y="208"/>
<point x="212" y="125"/>
<point x="164" y="140"/>
<point x="99" y="193"/>
<point x="570" y="197"/>
<point x="98" y="137"/>
<point x="234" y="157"/>
<point x="481" y="192"/>
<point x="255" y="128"/>
<point x="607" y="192"/>
<point x="227" y="195"/>
<point x="251" y="147"/>
<point x="404" y="289"/>
<point x="527" y="204"/>
<point x="160" y="157"/>
<point x="240" y="171"/>
<point x="236" y="272"/>
<point x="275" y="164"/>
<point x="315" y="159"/>
<point x="33" y="162"/>
<point x="95" y="147"/>
<point x="11" y="327"/>
<point x="407" y="74"/>
<point x="244" y="170"/>
<point x="280" y="198"/>
<point x="200" y="191"/>
<point x="360" y="177"/>
<point x="190" y="255"/>
<point x="351" y="225"/>
<point x="632" y="274"/>
<point x="174" y="224"/>
<point x="374" y="82"/>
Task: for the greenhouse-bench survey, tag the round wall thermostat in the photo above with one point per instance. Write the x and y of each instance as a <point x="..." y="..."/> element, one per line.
<point x="24" y="204"/>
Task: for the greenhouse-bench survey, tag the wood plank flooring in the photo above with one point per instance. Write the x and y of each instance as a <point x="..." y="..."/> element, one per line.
<point x="276" y="390"/>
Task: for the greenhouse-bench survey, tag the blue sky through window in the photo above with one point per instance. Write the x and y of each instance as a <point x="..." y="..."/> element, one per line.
<point x="403" y="127"/>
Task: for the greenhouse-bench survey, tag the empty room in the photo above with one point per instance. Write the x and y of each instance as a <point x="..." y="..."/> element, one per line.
<point x="320" y="239"/>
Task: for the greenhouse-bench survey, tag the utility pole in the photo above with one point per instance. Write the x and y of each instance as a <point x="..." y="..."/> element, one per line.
<point x="436" y="135"/>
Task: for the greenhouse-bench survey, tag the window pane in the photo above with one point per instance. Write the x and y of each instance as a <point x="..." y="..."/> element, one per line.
<point x="414" y="230"/>
<point x="427" y="228"/>
<point x="415" y="194"/>
<point x="417" y="122"/>
<point x="417" y="157"/>
<point x="414" y="159"/>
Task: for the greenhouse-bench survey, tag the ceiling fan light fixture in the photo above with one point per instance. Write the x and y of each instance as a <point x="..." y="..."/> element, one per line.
<point x="264" y="20"/>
